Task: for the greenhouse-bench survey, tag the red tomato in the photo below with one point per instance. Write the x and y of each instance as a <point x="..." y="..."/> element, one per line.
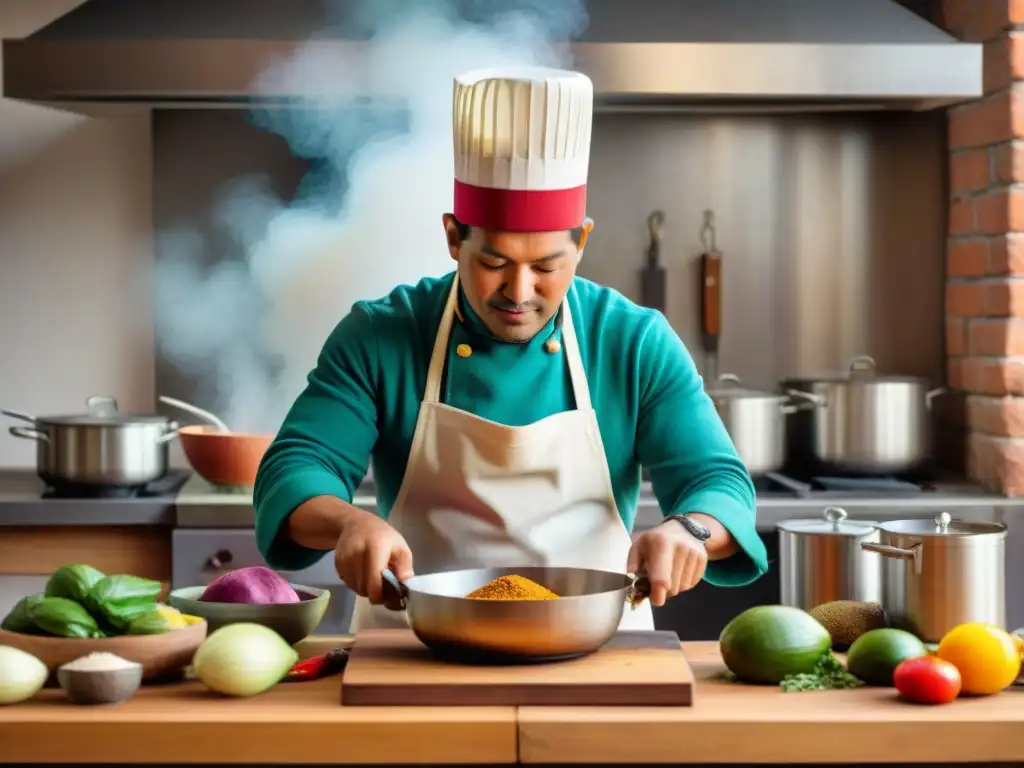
<point x="927" y="680"/>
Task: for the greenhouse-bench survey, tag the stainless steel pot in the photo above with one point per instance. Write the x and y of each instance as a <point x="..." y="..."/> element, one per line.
<point x="100" y="448"/>
<point x="756" y="422"/>
<point x="940" y="573"/>
<point x="821" y="560"/>
<point x="863" y="422"/>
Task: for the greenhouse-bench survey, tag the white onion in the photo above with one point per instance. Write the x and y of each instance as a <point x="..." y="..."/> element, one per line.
<point x="21" y="675"/>
<point x="243" y="660"/>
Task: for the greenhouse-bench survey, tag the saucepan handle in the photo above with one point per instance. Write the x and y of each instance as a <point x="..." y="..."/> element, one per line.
<point x="396" y="594"/>
<point x="639" y="590"/>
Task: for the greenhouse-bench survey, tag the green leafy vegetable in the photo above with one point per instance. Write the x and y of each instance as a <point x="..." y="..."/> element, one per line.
<point x="18" y="619"/>
<point x="63" y="618"/>
<point x="829" y="674"/>
<point x="152" y="622"/>
<point x="120" y="599"/>
<point x="73" y="582"/>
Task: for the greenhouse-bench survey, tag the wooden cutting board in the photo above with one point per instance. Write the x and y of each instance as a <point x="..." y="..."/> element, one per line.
<point x="392" y="667"/>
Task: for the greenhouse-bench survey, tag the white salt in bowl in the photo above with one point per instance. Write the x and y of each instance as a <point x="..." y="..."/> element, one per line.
<point x="100" y="678"/>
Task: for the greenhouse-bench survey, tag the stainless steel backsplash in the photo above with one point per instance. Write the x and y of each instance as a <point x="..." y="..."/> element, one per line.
<point x="832" y="226"/>
<point x="832" y="229"/>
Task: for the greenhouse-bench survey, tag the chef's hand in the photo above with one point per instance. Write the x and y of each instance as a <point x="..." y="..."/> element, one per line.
<point x="366" y="547"/>
<point x="672" y="560"/>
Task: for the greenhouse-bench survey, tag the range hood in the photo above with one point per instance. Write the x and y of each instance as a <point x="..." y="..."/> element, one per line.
<point x="697" y="55"/>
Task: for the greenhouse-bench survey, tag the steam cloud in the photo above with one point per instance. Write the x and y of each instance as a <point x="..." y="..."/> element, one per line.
<point x="367" y="217"/>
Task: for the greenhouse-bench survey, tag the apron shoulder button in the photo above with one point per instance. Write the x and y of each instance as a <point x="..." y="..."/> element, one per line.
<point x="552" y="345"/>
<point x="463" y="350"/>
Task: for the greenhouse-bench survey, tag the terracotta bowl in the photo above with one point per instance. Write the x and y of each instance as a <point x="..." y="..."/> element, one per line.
<point x="161" y="656"/>
<point x="292" y="621"/>
<point x="224" y="458"/>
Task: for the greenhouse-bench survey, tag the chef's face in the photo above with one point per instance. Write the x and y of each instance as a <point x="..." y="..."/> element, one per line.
<point x="515" y="281"/>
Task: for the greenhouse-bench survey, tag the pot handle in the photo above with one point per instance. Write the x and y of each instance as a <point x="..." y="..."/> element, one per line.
<point x="20" y="415"/>
<point x="913" y="553"/>
<point x="28" y="433"/>
<point x="170" y="434"/>
<point x="863" y="364"/>
<point x="931" y="395"/>
<point x="810" y="400"/>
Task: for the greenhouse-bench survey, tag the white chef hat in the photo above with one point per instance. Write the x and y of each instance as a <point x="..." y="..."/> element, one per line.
<point x="522" y="148"/>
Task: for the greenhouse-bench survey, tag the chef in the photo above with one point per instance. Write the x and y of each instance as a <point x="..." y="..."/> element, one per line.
<point x="508" y="406"/>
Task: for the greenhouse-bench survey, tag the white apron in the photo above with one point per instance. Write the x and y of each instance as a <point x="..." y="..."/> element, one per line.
<point x="478" y="494"/>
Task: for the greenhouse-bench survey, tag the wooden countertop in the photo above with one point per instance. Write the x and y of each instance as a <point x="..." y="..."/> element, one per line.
<point x="304" y="723"/>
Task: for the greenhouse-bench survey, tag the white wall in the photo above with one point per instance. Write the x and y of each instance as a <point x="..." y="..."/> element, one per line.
<point x="75" y="247"/>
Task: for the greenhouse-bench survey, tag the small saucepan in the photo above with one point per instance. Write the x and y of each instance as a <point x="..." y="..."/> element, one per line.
<point x="584" y="617"/>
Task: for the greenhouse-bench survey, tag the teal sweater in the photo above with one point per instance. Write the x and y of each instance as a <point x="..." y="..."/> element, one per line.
<point x="363" y="396"/>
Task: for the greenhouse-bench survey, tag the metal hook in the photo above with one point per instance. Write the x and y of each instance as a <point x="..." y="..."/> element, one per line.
<point x="707" y="232"/>
<point x="655" y="222"/>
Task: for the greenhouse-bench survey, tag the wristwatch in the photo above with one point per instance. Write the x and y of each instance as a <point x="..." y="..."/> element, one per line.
<point x="700" y="532"/>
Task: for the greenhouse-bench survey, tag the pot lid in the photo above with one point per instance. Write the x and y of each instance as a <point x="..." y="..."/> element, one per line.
<point x="941" y="525"/>
<point x="102" y="412"/>
<point x="832" y="522"/>
<point x="728" y="385"/>
<point x="860" y="369"/>
<point x="90" y="420"/>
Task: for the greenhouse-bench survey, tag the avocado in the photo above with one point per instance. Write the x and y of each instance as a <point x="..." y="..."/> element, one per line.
<point x="874" y="656"/>
<point x="768" y="642"/>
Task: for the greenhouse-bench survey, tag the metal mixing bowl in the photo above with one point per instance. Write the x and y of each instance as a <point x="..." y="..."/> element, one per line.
<point x="582" y="619"/>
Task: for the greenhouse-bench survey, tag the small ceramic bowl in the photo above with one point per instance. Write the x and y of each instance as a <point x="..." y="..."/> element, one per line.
<point x="100" y="686"/>
<point x="292" y="621"/>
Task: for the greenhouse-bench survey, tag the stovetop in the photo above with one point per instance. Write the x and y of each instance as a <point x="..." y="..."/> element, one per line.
<point x="782" y="485"/>
<point x="166" y="486"/>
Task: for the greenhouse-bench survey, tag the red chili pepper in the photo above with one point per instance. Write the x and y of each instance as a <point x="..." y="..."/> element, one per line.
<point x="322" y="665"/>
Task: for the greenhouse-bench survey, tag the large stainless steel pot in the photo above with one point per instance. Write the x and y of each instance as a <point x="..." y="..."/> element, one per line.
<point x="100" y="448"/>
<point x="863" y="422"/>
<point x="940" y="573"/>
<point x="756" y="422"/>
<point x="821" y="560"/>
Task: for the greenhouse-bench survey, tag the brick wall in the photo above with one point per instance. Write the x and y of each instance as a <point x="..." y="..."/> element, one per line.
<point x="985" y="255"/>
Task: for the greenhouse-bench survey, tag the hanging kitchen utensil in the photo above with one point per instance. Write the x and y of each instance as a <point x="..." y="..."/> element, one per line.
<point x="710" y="296"/>
<point x="652" y="279"/>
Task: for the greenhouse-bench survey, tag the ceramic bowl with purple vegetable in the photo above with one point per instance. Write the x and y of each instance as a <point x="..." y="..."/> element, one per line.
<point x="258" y="595"/>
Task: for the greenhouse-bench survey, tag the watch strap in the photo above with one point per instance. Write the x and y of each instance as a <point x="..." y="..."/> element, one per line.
<point x="695" y="529"/>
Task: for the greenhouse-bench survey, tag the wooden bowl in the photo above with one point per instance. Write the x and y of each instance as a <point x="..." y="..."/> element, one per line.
<point x="224" y="458"/>
<point x="160" y="655"/>
<point x="292" y="621"/>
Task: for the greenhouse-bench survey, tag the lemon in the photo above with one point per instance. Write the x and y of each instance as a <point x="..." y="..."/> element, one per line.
<point x="987" y="657"/>
<point x="173" y="617"/>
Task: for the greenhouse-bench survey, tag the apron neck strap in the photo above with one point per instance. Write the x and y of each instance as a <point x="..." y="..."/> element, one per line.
<point x="435" y="372"/>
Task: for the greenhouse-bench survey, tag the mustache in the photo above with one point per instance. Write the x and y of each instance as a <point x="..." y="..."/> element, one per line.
<point x="510" y="306"/>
